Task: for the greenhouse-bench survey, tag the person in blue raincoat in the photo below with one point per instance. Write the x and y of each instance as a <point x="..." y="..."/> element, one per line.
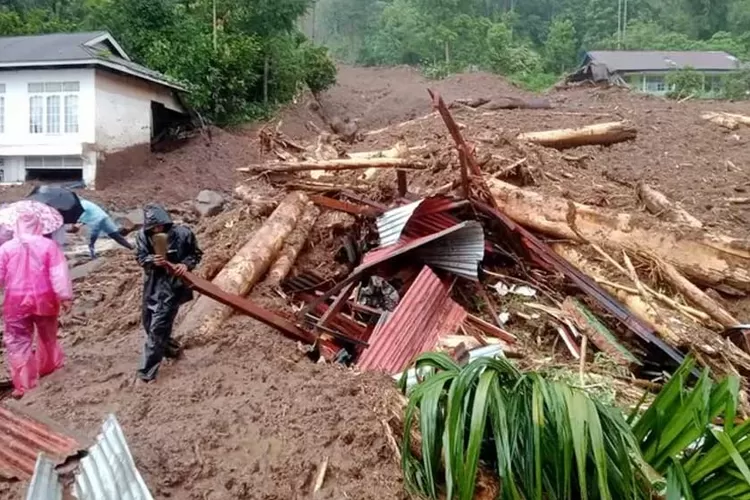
<point x="98" y="221"/>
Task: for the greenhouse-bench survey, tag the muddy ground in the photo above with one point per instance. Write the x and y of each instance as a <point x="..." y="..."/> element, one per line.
<point x="248" y="416"/>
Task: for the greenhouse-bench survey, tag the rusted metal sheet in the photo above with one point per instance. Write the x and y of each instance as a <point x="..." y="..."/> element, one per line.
<point x="416" y="219"/>
<point x="342" y="206"/>
<point x="458" y="252"/>
<point x="245" y="306"/>
<point x="424" y="314"/>
<point x="23" y="438"/>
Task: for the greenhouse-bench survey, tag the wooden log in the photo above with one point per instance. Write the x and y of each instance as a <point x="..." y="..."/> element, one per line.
<point x="246" y="268"/>
<point x="516" y="103"/>
<point x="600" y="134"/>
<point x="658" y="204"/>
<point x="336" y="165"/>
<point x="697" y="296"/>
<point x="721" y="120"/>
<point x="703" y="257"/>
<point x="292" y="247"/>
<point x="472" y="102"/>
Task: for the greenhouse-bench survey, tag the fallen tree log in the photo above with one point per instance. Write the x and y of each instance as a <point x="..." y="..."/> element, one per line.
<point x="697" y="296"/>
<point x="246" y="268"/>
<point x="341" y="164"/>
<point x="516" y="103"/>
<point x="658" y="204"/>
<point x="729" y="121"/>
<point x="722" y="120"/>
<point x="292" y="247"/>
<point x="706" y="258"/>
<point x="600" y="134"/>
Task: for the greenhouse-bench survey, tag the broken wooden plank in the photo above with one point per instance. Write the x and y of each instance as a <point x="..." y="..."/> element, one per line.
<point x="337" y="165"/>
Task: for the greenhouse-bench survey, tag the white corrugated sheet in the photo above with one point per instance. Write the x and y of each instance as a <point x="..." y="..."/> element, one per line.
<point x="45" y="483"/>
<point x="108" y="472"/>
<point x="392" y="223"/>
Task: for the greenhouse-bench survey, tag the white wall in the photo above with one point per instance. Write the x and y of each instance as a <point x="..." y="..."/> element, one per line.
<point x="123" y="110"/>
<point x="18" y="141"/>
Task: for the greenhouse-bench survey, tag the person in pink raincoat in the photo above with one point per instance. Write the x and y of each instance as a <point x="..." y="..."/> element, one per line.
<point x="37" y="286"/>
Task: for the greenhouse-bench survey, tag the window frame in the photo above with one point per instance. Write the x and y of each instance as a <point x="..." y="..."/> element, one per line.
<point x="57" y="123"/>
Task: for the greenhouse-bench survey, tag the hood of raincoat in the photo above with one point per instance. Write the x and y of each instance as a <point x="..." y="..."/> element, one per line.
<point x="28" y="224"/>
<point x="155" y="215"/>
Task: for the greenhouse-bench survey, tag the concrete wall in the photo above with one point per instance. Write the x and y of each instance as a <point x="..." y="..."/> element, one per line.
<point x="123" y="110"/>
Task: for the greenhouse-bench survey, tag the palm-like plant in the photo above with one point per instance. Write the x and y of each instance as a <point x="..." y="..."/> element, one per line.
<point x="544" y="439"/>
<point x="548" y="440"/>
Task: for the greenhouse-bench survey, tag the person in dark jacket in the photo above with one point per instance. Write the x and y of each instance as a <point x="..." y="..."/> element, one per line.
<point x="163" y="292"/>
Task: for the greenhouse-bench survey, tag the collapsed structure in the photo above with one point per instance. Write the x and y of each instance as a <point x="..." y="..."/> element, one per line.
<point x="422" y="268"/>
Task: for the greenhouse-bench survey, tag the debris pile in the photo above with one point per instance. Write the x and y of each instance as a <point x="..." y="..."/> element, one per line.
<point x="478" y="261"/>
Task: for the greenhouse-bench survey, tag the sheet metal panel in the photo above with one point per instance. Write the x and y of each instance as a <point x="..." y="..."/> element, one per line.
<point x="45" y="483"/>
<point x="22" y="438"/>
<point x="392" y="223"/>
<point x="108" y="471"/>
<point x="425" y="313"/>
<point x="459" y="251"/>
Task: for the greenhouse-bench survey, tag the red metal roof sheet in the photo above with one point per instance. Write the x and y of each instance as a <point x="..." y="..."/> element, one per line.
<point x="425" y="313"/>
<point x="22" y="439"/>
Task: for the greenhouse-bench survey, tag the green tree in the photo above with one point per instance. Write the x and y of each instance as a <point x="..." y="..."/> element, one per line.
<point x="684" y="82"/>
<point x="561" y="48"/>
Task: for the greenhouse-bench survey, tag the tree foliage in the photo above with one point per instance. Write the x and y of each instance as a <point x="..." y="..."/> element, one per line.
<point x="223" y="64"/>
<point x="534" y="41"/>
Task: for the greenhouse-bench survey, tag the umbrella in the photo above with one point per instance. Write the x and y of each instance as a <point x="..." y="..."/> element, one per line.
<point x="63" y="200"/>
<point x="50" y="218"/>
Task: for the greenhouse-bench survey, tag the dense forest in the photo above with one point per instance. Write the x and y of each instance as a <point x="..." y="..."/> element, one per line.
<point x="531" y="41"/>
<point x="240" y="57"/>
<point x="243" y="57"/>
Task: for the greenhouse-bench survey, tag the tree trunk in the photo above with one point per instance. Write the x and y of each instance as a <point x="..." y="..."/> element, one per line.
<point x="266" y="65"/>
<point x="697" y="296"/>
<point x="293" y="246"/>
<point x="658" y="204"/>
<point x="704" y="257"/>
<point x="447" y="52"/>
<point x="246" y="268"/>
<point x="599" y="134"/>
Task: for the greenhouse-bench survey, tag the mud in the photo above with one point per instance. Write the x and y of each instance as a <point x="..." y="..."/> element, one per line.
<point x="248" y="416"/>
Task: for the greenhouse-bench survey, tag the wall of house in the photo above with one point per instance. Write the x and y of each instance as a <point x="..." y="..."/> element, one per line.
<point x="653" y="82"/>
<point x="123" y="110"/>
<point x="17" y="142"/>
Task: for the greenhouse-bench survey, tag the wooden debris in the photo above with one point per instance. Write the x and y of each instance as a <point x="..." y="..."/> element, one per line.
<point x="334" y="165"/>
<point x="599" y="134"/>
<point x="246" y="268"/>
<point x="292" y="247"/>
<point x="730" y="121"/>
<point x="697" y="296"/>
<point x="321" y="476"/>
<point x="661" y="206"/>
<point x="707" y="258"/>
<point x="516" y="103"/>
<point x="601" y="336"/>
<point x="473" y="102"/>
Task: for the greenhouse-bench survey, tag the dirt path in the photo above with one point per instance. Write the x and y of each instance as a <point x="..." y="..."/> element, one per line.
<point x="243" y="418"/>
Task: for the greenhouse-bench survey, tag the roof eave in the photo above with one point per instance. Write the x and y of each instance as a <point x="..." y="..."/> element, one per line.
<point x="108" y="37"/>
<point x="93" y="62"/>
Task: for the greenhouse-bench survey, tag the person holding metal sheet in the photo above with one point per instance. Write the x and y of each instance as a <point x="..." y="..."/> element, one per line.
<point x="166" y="251"/>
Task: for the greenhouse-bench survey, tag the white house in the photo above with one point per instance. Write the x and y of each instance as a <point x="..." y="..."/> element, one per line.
<point x="69" y="100"/>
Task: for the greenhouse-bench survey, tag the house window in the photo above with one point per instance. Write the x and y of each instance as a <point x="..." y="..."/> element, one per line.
<point x="36" y="114"/>
<point x="655" y="84"/>
<point x="71" y="114"/>
<point x="53" y="162"/>
<point x="50" y="103"/>
<point x="54" y="168"/>
<point x="2" y="108"/>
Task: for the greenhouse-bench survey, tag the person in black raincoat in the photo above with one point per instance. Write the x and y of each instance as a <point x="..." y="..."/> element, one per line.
<point x="163" y="292"/>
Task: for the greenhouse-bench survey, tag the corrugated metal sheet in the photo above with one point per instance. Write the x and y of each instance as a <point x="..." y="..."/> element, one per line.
<point x="424" y="314"/>
<point x="392" y="223"/>
<point x="108" y="471"/>
<point x="45" y="484"/>
<point x="458" y="250"/>
<point x="416" y="219"/>
<point x="490" y="351"/>
<point x="22" y="438"/>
